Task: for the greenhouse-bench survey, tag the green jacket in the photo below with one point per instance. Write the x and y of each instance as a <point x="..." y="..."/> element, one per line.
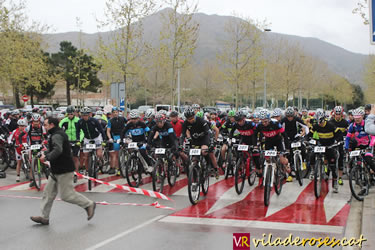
<point x="69" y="127"/>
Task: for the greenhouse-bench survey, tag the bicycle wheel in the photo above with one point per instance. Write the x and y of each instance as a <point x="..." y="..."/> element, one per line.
<point x="267" y="187"/>
<point x="228" y="164"/>
<point x="239" y="176"/>
<point x="194" y="184"/>
<point x="158" y="176"/>
<point x="26" y="167"/>
<point x="253" y="173"/>
<point x="318" y="177"/>
<point x="205" y="178"/>
<point x="359" y="182"/>
<point x="37" y="175"/>
<point x="4" y="162"/>
<point x="91" y="170"/>
<point x="172" y="173"/>
<point x="132" y="171"/>
<point x="123" y="161"/>
<point x="105" y="166"/>
<point x="298" y="165"/>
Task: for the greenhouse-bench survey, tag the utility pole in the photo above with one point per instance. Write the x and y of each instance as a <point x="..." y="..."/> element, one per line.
<point x="264" y="76"/>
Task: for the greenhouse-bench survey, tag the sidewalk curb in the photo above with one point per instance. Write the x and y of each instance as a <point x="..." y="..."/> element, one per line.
<point x="368" y="221"/>
<point x="354" y="223"/>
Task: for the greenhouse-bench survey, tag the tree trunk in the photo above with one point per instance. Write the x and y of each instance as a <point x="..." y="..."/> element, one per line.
<point x="237" y="87"/>
<point x="254" y="96"/>
<point x="32" y="100"/>
<point x="17" y="97"/>
<point x="68" y="101"/>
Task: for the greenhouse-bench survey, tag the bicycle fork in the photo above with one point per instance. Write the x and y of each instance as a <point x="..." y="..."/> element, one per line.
<point x="266" y="166"/>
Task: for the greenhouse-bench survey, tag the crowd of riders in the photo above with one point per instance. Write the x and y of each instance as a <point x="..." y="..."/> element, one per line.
<point x="262" y="130"/>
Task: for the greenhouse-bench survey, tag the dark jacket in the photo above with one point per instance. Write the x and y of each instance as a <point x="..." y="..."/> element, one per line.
<point x="59" y="153"/>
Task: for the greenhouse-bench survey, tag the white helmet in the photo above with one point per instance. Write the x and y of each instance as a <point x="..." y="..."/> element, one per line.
<point x="149" y="114"/>
<point x="276" y="112"/>
<point x="99" y="112"/>
<point x="35" y="117"/>
<point x="264" y="114"/>
<point x="60" y="116"/>
<point x="358" y="113"/>
<point x="133" y="114"/>
<point x="22" y="122"/>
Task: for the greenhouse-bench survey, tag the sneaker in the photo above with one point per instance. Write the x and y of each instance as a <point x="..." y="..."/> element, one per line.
<point x="90" y="211"/>
<point x="75" y="179"/>
<point x="340" y="181"/>
<point x="112" y="171"/>
<point x="304" y="166"/>
<point x="18" y="178"/>
<point x="289" y="179"/>
<point x="335" y="188"/>
<point x="149" y="169"/>
<point x="311" y="177"/>
<point x="260" y="181"/>
<point x="217" y="175"/>
<point x="362" y="192"/>
<point x="40" y="220"/>
<point x="32" y="184"/>
<point x="118" y="172"/>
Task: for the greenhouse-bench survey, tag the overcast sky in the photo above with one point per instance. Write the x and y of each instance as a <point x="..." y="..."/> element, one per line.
<point x="328" y="20"/>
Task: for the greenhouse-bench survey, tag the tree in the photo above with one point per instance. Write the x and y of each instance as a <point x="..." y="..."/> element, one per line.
<point x="178" y="37"/>
<point x="77" y="69"/>
<point x="122" y="51"/>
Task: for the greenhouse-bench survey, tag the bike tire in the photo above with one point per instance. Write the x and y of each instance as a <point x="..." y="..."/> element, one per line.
<point x="279" y="179"/>
<point x="205" y="179"/>
<point x="132" y="172"/>
<point x="26" y="168"/>
<point x="91" y="171"/>
<point x="253" y="174"/>
<point x="158" y="176"/>
<point x="298" y="166"/>
<point x="239" y="176"/>
<point x="4" y="161"/>
<point x="267" y="187"/>
<point x="228" y="164"/>
<point x="318" y="178"/>
<point x="358" y="175"/>
<point x="172" y="173"/>
<point x="194" y="184"/>
<point x="37" y="175"/>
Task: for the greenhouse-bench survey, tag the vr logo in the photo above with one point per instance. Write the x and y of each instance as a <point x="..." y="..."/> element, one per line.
<point x="241" y="241"/>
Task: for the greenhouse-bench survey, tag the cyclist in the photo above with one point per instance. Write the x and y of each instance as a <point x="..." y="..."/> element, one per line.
<point x="293" y="125"/>
<point x="138" y="129"/>
<point x="326" y="133"/>
<point x="176" y="123"/>
<point x="196" y="108"/>
<point x="11" y="123"/>
<point x="150" y="119"/>
<point x="163" y="131"/>
<point x="342" y="125"/>
<point x="101" y="113"/>
<point x="357" y="136"/>
<point x="226" y="129"/>
<point x="273" y="134"/>
<point x="198" y="130"/>
<point x="247" y="131"/>
<point x="114" y="128"/>
<point x="276" y="114"/>
<point x="92" y="130"/>
<point x="19" y="136"/>
<point x="69" y="125"/>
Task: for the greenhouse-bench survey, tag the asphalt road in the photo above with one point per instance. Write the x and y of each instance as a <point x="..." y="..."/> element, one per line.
<point x="208" y="225"/>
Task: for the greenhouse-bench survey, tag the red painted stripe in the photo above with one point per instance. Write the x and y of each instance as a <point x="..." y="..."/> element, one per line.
<point x="13" y="185"/>
<point x="341" y="217"/>
<point x="167" y="190"/>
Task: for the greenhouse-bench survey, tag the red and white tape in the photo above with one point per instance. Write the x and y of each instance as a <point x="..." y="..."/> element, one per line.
<point x="155" y="204"/>
<point x="130" y="189"/>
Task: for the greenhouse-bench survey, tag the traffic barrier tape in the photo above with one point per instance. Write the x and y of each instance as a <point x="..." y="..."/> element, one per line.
<point x="155" y="204"/>
<point x="130" y="189"/>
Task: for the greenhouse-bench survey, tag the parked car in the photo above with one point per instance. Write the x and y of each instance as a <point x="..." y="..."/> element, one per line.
<point x="144" y="108"/>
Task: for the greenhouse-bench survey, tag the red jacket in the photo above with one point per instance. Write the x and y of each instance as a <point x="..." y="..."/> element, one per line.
<point x="177" y="127"/>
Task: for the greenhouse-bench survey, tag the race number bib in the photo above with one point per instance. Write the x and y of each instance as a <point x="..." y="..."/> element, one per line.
<point x="243" y="147"/>
<point x="90" y="146"/>
<point x="160" y="151"/>
<point x="319" y="149"/>
<point x="132" y="145"/>
<point x="296" y="145"/>
<point x="195" y="151"/>
<point x="270" y="153"/>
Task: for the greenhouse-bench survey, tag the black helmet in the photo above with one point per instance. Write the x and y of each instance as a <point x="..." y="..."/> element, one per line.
<point x="238" y="116"/>
<point x="173" y="114"/>
<point x="188" y="113"/>
<point x="368" y="107"/>
<point x="35" y="110"/>
<point x="70" y="110"/>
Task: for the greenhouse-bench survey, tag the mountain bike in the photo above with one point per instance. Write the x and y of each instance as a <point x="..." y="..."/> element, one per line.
<point x="245" y="167"/>
<point x="164" y="167"/>
<point x="93" y="163"/>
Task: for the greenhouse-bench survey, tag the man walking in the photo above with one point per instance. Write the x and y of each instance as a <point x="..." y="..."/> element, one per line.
<point x="62" y="171"/>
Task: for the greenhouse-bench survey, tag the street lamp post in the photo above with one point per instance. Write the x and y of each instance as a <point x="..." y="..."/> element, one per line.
<point x="265" y="79"/>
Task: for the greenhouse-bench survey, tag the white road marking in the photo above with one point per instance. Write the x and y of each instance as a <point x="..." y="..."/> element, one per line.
<point x="254" y="224"/>
<point x="289" y="195"/>
<point x="129" y="231"/>
<point x="334" y="202"/>
<point x="184" y="191"/>
<point x="230" y="197"/>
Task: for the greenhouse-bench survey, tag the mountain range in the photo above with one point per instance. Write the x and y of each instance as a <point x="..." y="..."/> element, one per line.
<point x="211" y="31"/>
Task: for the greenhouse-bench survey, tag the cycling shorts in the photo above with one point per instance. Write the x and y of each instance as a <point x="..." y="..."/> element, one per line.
<point x="98" y="142"/>
<point x="115" y="146"/>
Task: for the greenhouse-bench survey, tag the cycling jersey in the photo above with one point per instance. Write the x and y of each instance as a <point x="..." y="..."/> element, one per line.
<point x="91" y="128"/>
<point x="70" y="128"/>
<point x="136" y="130"/>
<point x="198" y="129"/>
<point x="11" y="124"/>
<point x="166" y="134"/>
<point x="247" y="132"/>
<point x="357" y="132"/>
<point x="342" y="126"/>
<point x="326" y="134"/>
<point x="273" y="135"/>
<point x="19" y="137"/>
<point x="177" y="127"/>
<point x="36" y="134"/>
<point x="151" y="124"/>
<point x="292" y="127"/>
<point x="117" y="125"/>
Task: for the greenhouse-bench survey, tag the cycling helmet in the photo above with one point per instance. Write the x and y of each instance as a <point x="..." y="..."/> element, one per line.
<point x="163" y="112"/>
<point x="249" y="115"/>
<point x="350" y="112"/>
<point x="320" y="115"/>
<point x="256" y="115"/>
<point x="22" y="122"/>
<point x="35" y="110"/>
<point x="338" y="110"/>
<point x="276" y="112"/>
<point x="231" y="113"/>
<point x="60" y="116"/>
<point x="159" y="117"/>
<point x="149" y="114"/>
<point x="173" y="114"/>
<point x="195" y="106"/>
<point x="239" y="116"/>
<point x="289" y="111"/>
<point x="70" y="110"/>
<point x="35" y="117"/>
<point x="115" y="109"/>
<point x="16" y="112"/>
<point x="133" y="114"/>
<point x="358" y="113"/>
<point x="200" y="114"/>
<point x="304" y="110"/>
<point x="85" y="111"/>
<point x="188" y="113"/>
<point x="264" y="114"/>
<point x="368" y="107"/>
<point x="168" y="114"/>
<point x="213" y="112"/>
<point x="98" y="117"/>
<point x="99" y="112"/>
